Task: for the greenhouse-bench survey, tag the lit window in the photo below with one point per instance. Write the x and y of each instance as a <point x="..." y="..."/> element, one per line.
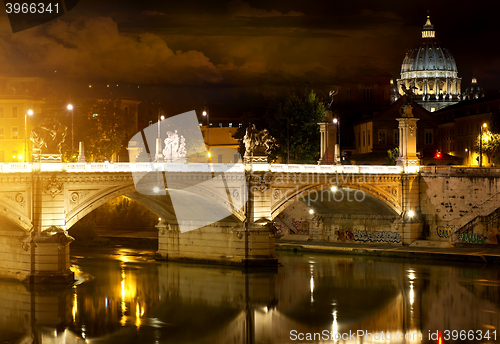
<point x="14" y="132"/>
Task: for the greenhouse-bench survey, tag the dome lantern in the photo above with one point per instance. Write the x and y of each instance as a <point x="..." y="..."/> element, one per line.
<point x="428" y="30"/>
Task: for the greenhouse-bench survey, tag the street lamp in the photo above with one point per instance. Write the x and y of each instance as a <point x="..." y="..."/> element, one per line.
<point x="159" y="155"/>
<point x="70" y="107"/>
<point x="30" y="112"/>
<point x="337" y="145"/>
<point x="205" y="114"/>
<point x="481" y="145"/>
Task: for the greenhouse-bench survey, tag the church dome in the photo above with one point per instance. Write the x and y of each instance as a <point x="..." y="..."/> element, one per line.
<point x="431" y="71"/>
<point x="474" y="91"/>
<point x="429" y="56"/>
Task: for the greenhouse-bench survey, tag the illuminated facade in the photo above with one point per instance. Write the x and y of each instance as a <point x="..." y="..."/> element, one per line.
<point x="17" y="97"/>
<point x="432" y="70"/>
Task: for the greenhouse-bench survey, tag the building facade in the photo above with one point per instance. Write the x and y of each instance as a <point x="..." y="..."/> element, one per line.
<point x="462" y="125"/>
<point x="17" y="97"/>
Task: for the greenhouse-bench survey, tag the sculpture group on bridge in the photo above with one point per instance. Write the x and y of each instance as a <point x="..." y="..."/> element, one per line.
<point x="257" y="142"/>
<point x="175" y="146"/>
<point x="48" y="138"/>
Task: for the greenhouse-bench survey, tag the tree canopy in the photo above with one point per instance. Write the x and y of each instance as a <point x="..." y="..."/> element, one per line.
<point x="491" y="139"/>
<point x="292" y="120"/>
<point x="100" y="124"/>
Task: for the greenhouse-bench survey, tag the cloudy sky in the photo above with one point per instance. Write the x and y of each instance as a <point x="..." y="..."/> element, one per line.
<point x="228" y="51"/>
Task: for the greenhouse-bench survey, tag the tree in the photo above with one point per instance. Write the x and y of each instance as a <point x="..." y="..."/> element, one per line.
<point x="104" y="128"/>
<point x="491" y="139"/>
<point x="292" y="120"/>
<point x="100" y="124"/>
<point x="392" y="156"/>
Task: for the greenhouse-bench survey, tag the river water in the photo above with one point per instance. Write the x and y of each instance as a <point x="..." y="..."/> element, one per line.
<point x="125" y="296"/>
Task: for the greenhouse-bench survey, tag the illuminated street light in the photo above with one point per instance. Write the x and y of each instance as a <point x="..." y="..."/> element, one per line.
<point x="337" y="122"/>
<point x="70" y="107"/>
<point x="311" y="211"/>
<point x="30" y="112"/>
<point x="481" y="145"/>
<point x="156" y="189"/>
<point x="411" y="213"/>
<point x="205" y="114"/>
<point x="334" y="188"/>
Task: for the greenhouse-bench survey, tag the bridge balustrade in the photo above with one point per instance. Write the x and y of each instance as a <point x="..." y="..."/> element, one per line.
<point x="199" y="167"/>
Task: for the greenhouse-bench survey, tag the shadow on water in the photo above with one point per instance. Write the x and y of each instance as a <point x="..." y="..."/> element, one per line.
<point x="125" y="296"/>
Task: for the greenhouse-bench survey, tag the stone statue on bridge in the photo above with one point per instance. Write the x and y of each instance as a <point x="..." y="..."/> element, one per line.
<point x="256" y="141"/>
<point x="175" y="147"/>
<point x="47" y="140"/>
<point x="410" y="94"/>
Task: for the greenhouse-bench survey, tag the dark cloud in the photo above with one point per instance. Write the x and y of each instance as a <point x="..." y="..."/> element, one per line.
<point x="94" y="48"/>
<point x="251" y="45"/>
<point x="240" y="8"/>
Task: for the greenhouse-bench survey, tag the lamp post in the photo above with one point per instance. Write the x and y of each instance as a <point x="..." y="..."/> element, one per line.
<point x="30" y="112"/>
<point x="337" y="145"/>
<point x="481" y="145"/>
<point x="205" y="114"/>
<point x="287" y="142"/>
<point x="159" y="151"/>
<point x="70" y="107"/>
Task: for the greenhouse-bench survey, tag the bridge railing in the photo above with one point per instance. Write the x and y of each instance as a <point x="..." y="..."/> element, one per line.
<point x="459" y="170"/>
<point x="197" y="167"/>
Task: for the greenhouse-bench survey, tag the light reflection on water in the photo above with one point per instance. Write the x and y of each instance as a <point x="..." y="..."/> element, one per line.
<point x="124" y="296"/>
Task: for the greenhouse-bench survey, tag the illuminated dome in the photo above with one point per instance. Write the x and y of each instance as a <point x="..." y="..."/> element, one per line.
<point x="432" y="70"/>
<point x="474" y="91"/>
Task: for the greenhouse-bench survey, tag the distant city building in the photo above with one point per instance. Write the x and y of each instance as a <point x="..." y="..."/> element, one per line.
<point x="377" y="134"/>
<point x="432" y="71"/>
<point x="221" y="144"/>
<point x="474" y="91"/>
<point x="18" y="95"/>
<point x="461" y="125"/>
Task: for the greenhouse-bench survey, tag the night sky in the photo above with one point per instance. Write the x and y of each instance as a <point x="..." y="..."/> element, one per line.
<point x="240" y="52"/>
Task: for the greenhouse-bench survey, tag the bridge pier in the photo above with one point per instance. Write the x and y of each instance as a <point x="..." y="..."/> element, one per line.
<point x="223" y="242"/>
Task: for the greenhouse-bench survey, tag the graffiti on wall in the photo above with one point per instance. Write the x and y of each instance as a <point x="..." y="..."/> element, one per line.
<point x="471" y="238"/>
<point x="301" y="227"/>
<point x="280" y="229"/>
<point x="445" y="232"/>
<point x="360" y="235"/>
<point x="344" y="235"/>
<point x="491" y="236"/>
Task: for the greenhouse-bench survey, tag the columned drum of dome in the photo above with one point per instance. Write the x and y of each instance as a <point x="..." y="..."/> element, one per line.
<point x="432" y="70"/>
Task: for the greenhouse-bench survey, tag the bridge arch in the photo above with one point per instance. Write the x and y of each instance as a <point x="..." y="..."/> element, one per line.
<point x="14" y="216"/>
<point x="159" y="204"/>
<point x="388" y="200"/>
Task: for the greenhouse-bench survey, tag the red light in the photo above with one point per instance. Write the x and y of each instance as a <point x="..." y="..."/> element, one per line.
<point x="438" y="155"/>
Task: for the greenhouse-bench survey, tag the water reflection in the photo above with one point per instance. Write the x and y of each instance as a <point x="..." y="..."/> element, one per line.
<point x="131" y="298"/>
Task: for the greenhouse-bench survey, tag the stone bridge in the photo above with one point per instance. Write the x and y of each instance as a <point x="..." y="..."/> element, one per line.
<point x="231" y="223"/>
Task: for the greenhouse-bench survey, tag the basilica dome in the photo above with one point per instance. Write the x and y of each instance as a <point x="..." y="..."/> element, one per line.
<point x="432" y="71"/>
<point x="474" y="91"/>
